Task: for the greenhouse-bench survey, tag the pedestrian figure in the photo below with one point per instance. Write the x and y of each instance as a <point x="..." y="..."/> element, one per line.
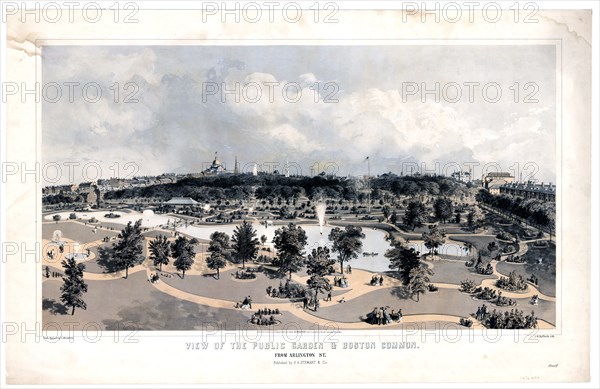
<point x="305" y="302"/>
<point x="328" y="296"/>
<point x="380" y="280"/>
<point x="379" y="316"/>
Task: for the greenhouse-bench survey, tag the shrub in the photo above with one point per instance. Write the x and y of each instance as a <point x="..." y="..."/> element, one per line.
<point x="513" y="282"/>
<point x="504" y="236"/>
<point x="466" y="322"/>
<point x="515" y="259"/>
<point x="467" y="286"/>
<point x="485" y="293"/>
<point x="432" y="288"/>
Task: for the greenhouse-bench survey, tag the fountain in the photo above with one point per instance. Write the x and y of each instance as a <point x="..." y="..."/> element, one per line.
<point x="148" y="214"/>
<point x="320" y="209"/>
<point x="56" y="236"/>
<point x="76" y="253"/>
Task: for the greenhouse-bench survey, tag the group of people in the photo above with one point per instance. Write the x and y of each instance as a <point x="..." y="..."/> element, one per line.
<point x="244" y="275"/>
<point x="154" y="278"/>
<point x="381" y="316"/>
<point x="311" y="302"/>
<point x="245" y="304"/>
<point x="533" y="279"/>
<point x="50" y="254"/>
<point x="535" y="299"/>
<point x="342" y="281"/>
<point x="262" y="320"/>
<point x="376" y="280"/>
<point x="482" y="312"/>
<point x="288" y="290"/>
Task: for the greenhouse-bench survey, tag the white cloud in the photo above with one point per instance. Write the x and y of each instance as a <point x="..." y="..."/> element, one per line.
<point x="173" y="128"/>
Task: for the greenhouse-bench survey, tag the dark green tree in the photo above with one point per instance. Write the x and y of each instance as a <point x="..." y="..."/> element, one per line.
<point x="386" y="212"/>
<point x="290" y="242"/>
<point x="160" y="250"/>
<point x="219" y="243"/>
<point x="457" y="216"/>
<point x="319" y="264"/>
<point x="394" y="217"/>
<point x="434" y="238"/>
<point x="415" y="214"/>
<point x="442" y="208"/>
<point x="183" y="253"/>
<point x="73" y="286"/>
<point x="347" y="243"/>
<point x="419" y="280"/>
<point x="128" y="252"/>
<point x="403" y="259"/>
<point x="245" y="243"/>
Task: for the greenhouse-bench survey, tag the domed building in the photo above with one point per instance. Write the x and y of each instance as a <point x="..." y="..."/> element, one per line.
<point x="215" y="168"/>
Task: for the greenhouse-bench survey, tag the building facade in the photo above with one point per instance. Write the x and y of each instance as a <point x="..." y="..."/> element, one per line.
<point x="494" y="180"/>
<point x="530" y="190"/>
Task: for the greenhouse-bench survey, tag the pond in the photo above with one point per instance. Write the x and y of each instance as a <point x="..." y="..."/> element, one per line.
<point x="372" y="257"/>
<point x="374" y="245"/>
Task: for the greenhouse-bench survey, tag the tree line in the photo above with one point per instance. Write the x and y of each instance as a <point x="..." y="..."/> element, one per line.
<point x="534" y="211"/>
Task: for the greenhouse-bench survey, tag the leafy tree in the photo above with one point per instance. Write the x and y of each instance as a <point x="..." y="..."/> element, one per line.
<point x="160" y="250"/>
<point x="386" y="212"/>
<point x="442" y="207"/>
<point x="219" y="242"/>
<point x="290" y="242"/>
<point x="415" y="214"/>
<point x="434" y="238"/>
<point x="457" y="216"/>
<point x="394" y="217"/>
<point x="73" y="286"/>
<point x="263" y="239"/>
<point x="128" y="252"/>
<point x="347" y="243"/>
<point x="245" y="244"/>
<point x="473" y="218"/>
<point x="319" y="265"/>
<point x="419" y="280"/>
<point x="183" y="252"/>
<point x="56" y="218"/>
<point x="404" y="259"/>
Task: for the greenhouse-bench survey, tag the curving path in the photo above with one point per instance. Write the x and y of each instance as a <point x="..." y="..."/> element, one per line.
<point x="359" y="286"/>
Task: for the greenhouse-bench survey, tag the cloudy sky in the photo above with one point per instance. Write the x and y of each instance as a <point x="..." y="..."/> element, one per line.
<point x="181" y="117"/>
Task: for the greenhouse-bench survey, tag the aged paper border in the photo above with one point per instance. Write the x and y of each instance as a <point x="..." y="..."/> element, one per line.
<point x="103" y="362"/>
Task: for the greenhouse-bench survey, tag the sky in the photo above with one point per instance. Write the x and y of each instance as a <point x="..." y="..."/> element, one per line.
<point x="314" y="107"/>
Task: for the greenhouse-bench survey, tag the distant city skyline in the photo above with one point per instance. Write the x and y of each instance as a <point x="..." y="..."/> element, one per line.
<point x="180" y="120"/>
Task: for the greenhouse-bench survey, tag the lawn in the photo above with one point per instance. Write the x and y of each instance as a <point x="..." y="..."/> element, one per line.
<point x="545" y="272"/>
<point x="135" y="303"/>
<point x="445" y="301"/>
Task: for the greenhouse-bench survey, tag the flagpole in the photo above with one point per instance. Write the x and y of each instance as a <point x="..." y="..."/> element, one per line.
<point x="368" y="185"/>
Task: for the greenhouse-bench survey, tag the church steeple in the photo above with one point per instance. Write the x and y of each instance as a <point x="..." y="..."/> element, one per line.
<point x="236" y="170"/>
